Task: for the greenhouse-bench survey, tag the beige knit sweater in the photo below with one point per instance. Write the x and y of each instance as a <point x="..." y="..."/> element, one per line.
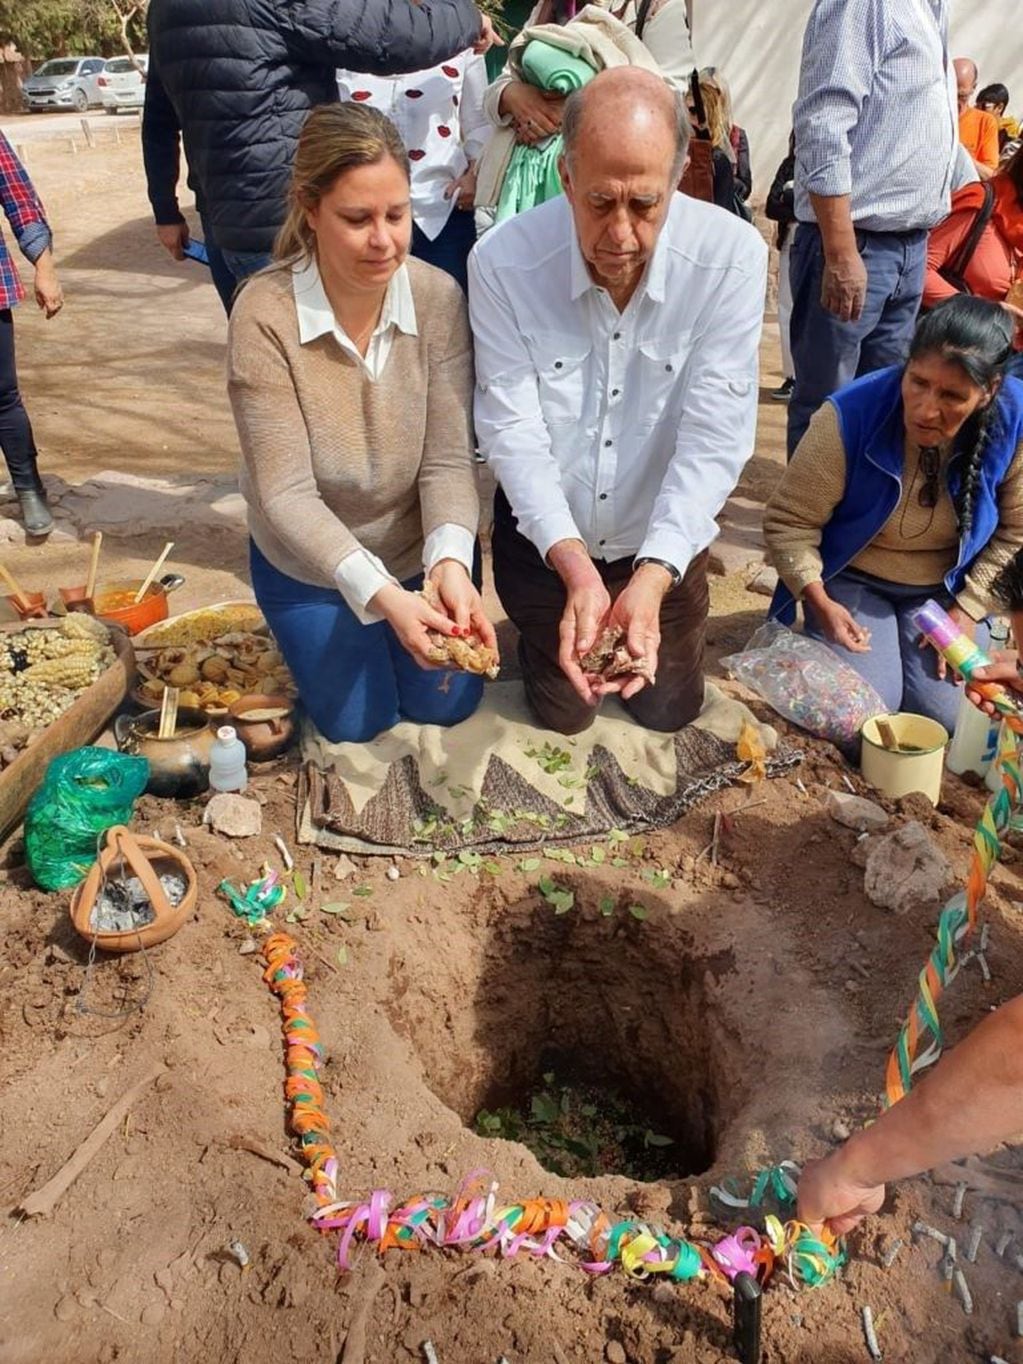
<point x="916" y="545"/>
<point x="331" y="461"/>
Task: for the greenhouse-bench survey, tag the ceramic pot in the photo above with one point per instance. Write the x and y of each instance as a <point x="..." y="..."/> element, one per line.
<point x="178" y="767"/>
<point x="131" y="616"/>
<point x="135" y="855"/>
<point x="264" y="739"/>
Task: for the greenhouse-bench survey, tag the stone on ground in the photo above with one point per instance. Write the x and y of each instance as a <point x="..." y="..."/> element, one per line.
<point x="906" y="870"/>
<point x="865" y="816"/>
<point x="234" y="816"/>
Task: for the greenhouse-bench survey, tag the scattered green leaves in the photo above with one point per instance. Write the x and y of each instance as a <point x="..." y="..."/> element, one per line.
<point x="639" y="912"/>
<point x="579" y="1130"/>
<point x="606" y="905"/>
<point x="529" y="864"/>
<point x="551" y="758"/>
<point x="342" y="956"/>
<point x="363" y="891"/>
<point x="340" y="908"/>
<point x="299" y="885"/>
<point x="560" y="900"/>
<point x="657" y="877"/>
<point x="296" y="916"/>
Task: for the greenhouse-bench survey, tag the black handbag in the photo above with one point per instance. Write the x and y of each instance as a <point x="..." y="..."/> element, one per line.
<point x="954" y="272"/>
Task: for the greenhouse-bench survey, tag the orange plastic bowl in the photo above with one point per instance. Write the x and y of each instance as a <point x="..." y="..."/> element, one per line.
<point x="116" y="602"/>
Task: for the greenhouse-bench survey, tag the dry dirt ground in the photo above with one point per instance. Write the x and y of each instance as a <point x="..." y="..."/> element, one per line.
<point x="752" y="1009"/>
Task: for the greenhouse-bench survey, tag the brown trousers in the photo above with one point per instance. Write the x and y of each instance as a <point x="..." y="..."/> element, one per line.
<point x="534" y="597"/>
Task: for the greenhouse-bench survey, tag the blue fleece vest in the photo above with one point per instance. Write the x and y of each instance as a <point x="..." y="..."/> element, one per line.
<point x="873" y="434"/>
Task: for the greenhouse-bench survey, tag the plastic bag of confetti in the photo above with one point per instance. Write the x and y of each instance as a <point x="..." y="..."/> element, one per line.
<point x="83" y="794"/>
<point x="804" y="681"/>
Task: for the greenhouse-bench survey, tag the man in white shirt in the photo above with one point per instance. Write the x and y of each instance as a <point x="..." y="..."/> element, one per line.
<point x="616" y="333"/>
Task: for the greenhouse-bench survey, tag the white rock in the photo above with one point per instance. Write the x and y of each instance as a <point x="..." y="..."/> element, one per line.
<point x="234" y="816"/>
<point x="905" y="870"/>
<point x="392" y="873"/>
<point x="344" y="868"/>
<point x="856" y="813"/>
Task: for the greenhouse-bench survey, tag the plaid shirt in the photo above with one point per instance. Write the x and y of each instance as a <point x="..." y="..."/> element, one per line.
<point x="27" y="219"/>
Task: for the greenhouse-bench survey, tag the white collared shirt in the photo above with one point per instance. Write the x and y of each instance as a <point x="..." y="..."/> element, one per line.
<point x="624" y="430"/>
<point x="360" y="575"/>
<point x="440" y="117"/>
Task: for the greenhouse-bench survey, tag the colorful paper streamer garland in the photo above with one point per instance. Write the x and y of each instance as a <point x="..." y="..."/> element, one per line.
<point x="958" y="919"/>
<point x="474" y="1220"/>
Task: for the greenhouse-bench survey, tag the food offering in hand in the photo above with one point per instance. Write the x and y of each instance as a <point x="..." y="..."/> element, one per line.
<point x="610" y="658"/>
<point x="213" y="676"/>
<point x="43" y="672"/>
<point x="466" y="653"/>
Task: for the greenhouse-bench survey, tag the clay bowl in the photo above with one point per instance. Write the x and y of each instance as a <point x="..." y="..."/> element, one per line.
<point x="264" y="738"/>
<point x="178" y="767"/>
<point x="139" y="856"/>
<point x="74" y="599"/>
<point x="114" y="602"/>
<point x="31" y="606"/>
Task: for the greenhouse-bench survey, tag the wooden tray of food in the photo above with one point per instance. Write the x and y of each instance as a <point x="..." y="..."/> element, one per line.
<point x="39" y="719"/>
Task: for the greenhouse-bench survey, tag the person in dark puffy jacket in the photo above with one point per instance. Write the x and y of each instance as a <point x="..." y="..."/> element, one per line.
<point x="241" y="76"/>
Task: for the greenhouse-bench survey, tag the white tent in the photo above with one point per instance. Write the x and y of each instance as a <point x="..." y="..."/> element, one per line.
<point x="757" y="44"/>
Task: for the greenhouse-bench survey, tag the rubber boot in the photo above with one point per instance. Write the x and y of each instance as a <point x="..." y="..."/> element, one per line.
<point x="35" y="514"/>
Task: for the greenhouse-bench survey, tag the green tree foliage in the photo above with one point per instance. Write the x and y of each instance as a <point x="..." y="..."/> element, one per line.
<point x="56" y="28"/>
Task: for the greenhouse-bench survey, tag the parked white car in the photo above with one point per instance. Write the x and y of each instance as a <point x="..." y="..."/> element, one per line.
<point x="63" y="83"/>
<point x="121" y="85"/>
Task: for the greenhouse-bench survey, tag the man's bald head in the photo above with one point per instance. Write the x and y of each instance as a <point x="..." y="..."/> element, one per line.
<point x="629" y="106"/>
<point x="966" y="79"/>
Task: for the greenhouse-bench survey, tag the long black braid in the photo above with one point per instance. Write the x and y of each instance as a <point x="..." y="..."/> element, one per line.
<point x="976" y="335"/>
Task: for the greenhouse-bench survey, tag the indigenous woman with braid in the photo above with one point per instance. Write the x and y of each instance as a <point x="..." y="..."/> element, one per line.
<point x="907" y="485"/>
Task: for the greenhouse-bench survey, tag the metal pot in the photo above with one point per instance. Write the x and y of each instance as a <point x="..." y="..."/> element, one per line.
<point x="178" y="767"/>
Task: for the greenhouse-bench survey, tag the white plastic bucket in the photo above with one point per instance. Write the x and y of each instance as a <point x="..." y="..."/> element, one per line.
<point x="902" y="774"/>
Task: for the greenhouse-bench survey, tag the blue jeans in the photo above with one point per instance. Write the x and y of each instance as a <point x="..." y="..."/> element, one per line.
<point x="242" y="264"/>
<point x="827" y="353"/>
<point x="223" y="278"/>
<point x="354" y="680"/>
<point x="450" y="249"/>
<point x="904" y="675"/>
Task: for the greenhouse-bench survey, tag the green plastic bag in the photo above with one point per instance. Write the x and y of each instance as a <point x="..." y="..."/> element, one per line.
<point x="83" y="794"/>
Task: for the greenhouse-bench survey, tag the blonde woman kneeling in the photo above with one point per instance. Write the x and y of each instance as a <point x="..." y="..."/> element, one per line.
<point x="350" y="375"/>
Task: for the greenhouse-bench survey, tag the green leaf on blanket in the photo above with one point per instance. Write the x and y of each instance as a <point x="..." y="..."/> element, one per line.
<point x="561" y="855"/>
<point x="492" y="868"/>
<point x="341" y="908"/>
<point x="472" y="861"/>
<point x="617" y="836"/>
<point x="528" y="864"/>
<point x="300" y="885"/>
<point x="597" y="854"/>
<point x="363" y="891"/>
<point x="546" y="885"/>
<point x="551" y="758"/>
<point x="639" y="912"/>
<point x="606" y="905"/>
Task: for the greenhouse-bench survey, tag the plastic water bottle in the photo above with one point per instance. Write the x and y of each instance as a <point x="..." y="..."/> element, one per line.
<point x="974" y="744"/>
<point x="227" y="762"/>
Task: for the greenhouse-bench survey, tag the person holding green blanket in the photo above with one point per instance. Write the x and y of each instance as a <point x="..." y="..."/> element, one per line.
<point x="525" y="103"/>
<point x="533" y="175"/>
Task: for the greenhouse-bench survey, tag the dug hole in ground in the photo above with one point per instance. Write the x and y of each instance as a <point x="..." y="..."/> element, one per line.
<point x="742" y="1017"/>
